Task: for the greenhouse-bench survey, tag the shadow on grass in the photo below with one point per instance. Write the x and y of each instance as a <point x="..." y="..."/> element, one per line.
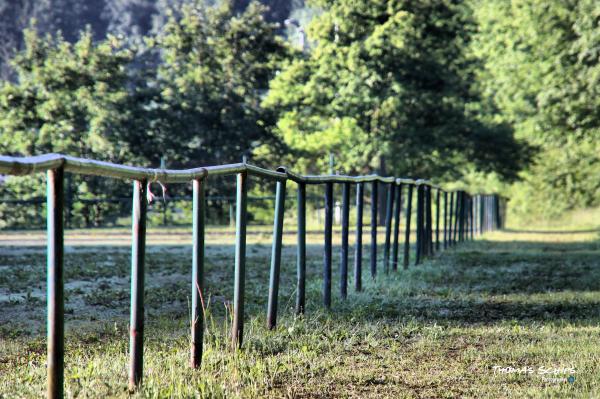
<point x="551" y="232"/>
<point x="486" y="282"/>
<point x="483" y="282"/>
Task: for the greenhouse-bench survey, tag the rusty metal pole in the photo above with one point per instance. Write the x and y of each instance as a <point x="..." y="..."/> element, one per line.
<point x="301" y="255"/>
<point x="359" y="225"/>
<point x="276" y="255"/>
<point x="55" y="198"/>
<point x="138" y="251"/>
<point x="344" y="251"/>
<point x="237" y="328"/>
<point x="198" y="226"/>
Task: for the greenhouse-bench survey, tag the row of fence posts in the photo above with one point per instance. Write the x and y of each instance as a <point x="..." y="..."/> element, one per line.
<point x="164" y="206"/>
<point x="458" y="223"/>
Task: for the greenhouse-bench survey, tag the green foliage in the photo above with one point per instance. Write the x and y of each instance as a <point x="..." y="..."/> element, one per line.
<point x="69" y="98"/>
<point x="390" y="79"/>
<point x="27" y="188"/>
<point x="456" y="90"/>
<point x="216" y="65"/>
<point x="541" y="69"/>
<point x="201" y="104"/>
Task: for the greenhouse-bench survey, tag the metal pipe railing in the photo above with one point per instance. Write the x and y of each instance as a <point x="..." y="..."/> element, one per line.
<point x="463" y="216"/>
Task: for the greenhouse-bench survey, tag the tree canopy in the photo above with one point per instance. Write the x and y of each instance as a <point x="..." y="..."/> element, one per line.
<point x="541" y="69"/>
<point x="480" y="93"/>
<point x="396" y="77"/>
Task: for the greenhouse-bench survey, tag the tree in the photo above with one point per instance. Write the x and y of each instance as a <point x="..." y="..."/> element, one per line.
<point x="72" y="99"/>
<point x="393" y="80"/>
<point x="215" y="68"/>
<point x="541" y="69"/>
<point x="67" y="98"/>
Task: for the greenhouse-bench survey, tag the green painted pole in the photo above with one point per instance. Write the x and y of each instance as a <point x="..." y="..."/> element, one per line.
<point x="437" y="220"/>
<point x="276" y="255"/>
<point x="428" y="221"/>
<point x="344" y="250"/>
<point x="301" y="254"/>
<point x="419" y="246"/>
<point x="397" y="228"/>
<point x="374" y="229"/>
<point x="55" y="198"/>
<point x="241" y="220"/>
<point x="445" y="220"/>
<point x="389" y="207"/>
<point x="409" y="197"/>
<point x="138" y="251"/>
<point x="359" y="230"/>
<point x="198" y="227"/>
<point x="328" y="245"/>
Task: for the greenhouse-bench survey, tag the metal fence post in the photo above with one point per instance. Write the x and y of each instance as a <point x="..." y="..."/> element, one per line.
<point x="328" y="243"/>
<point x="463" y="212"/>
<point x="481" y="214"/>
<point x="138" y="251"/>
<point x="55" y="198"/>
<point x="389" y="206"/>
<point x="301" y="255"/>
<point x="487" y="213"/>
<point x="276" y="255"/>
<point x="472" y="220"/>
<point x="374" y="229"/>
<point x="437" y="220"/>
<point x="419" y="246"/>
<point x="477" y="214"/>
<point x="445" y="220"/>
<point x="461" y="215"/>
<point x="344" y="251"/>
<point x="409" y="197"/>
<point x="456" y="218"/>
<point x="428" y="221"/>
<point x="490" y="217"/>
<point x="237" y="328"/>
<point x="359" y="226"/>
<point x="397" y="227"/>
<point x="497" y="211"/>
<point x="198" y="227"/>
<point x="451" y="219"/>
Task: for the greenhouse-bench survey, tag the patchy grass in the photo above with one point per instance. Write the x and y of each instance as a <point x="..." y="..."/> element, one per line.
<point x="519" y="298"/>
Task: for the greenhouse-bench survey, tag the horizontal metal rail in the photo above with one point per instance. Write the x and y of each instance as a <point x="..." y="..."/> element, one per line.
<point x="19" y="166"/>
<point x="462" y="215"/>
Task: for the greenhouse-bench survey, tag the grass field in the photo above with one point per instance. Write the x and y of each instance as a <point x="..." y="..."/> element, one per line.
<point x="527" y="298"/>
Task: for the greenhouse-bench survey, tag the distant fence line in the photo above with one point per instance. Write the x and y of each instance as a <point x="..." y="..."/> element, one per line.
<point x="460" y="218"/>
